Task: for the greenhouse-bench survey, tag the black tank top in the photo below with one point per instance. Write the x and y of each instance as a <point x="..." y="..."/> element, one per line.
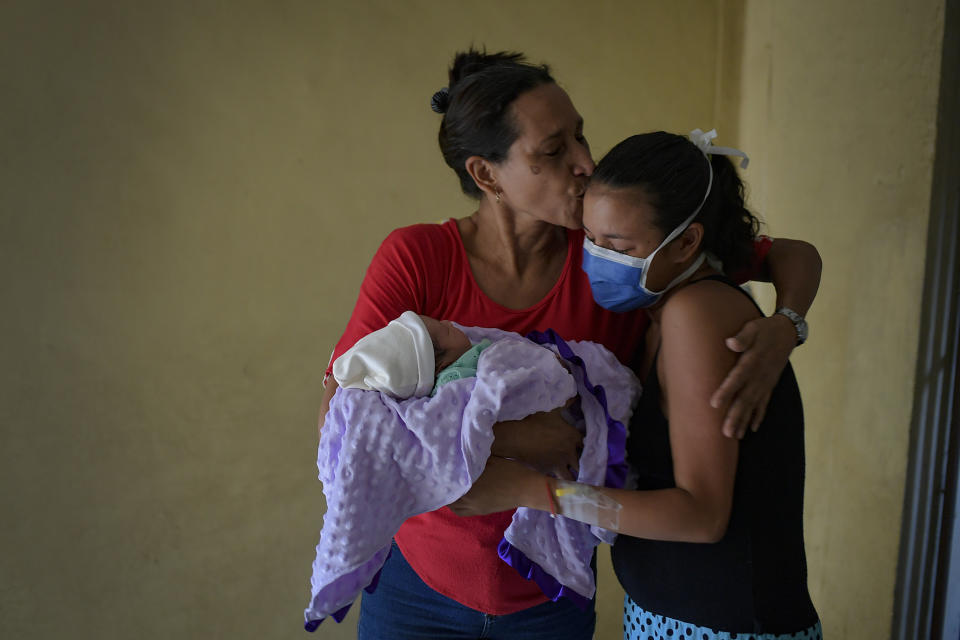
<point x="755" y="578"/>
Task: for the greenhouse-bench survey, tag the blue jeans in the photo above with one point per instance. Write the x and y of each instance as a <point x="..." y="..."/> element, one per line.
<point x="403" y="607"/>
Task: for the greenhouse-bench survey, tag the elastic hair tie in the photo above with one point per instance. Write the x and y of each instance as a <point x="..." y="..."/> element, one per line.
<point x="704" y="142"/>
<point x="440" y="100"/>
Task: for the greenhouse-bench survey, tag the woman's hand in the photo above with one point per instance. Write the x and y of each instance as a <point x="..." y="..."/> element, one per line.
<point x="503" y="485"/>
<point x="765" y="345"/>
<point x="544" y="441"/>
<point x="793" y="266"/>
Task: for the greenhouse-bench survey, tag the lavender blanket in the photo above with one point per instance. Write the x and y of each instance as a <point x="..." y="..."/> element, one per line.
<point x="383" y="460"/>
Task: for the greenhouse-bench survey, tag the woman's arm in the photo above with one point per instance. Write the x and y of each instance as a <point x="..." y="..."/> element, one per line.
<point x="766" y="343"/>
<point x="544" y="441"/>
<point x="677" y="514"/>
<point x="793" y="266"/>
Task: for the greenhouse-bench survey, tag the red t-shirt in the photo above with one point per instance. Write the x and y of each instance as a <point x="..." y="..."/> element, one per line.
<point x="424" y="268"/>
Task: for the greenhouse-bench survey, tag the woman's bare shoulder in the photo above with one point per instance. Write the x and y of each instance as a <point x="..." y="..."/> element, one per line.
<point x="707" y="308"/>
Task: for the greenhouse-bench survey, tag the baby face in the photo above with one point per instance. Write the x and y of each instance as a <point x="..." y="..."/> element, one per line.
<point x="449" y="343"/>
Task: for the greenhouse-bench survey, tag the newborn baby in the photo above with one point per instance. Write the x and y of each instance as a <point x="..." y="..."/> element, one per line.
<point x="400" y="440"/>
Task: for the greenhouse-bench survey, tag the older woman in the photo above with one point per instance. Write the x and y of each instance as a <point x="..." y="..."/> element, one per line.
<point x="516" y="143"/>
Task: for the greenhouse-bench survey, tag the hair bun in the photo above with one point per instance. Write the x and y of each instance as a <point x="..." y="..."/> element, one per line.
<point x="440" y="100"/>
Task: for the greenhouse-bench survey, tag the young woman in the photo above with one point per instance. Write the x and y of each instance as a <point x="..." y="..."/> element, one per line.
<point x="711" y="542"/>
<point x="516" y="144"/>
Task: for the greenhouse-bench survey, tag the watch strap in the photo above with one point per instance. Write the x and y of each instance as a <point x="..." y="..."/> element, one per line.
<point x="798" y="323"/>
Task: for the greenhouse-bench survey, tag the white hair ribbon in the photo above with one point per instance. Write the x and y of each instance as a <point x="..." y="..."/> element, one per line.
<point x="704" y="142"/>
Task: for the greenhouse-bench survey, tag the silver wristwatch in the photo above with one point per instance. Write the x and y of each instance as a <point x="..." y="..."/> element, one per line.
<point x="798" y="323"/>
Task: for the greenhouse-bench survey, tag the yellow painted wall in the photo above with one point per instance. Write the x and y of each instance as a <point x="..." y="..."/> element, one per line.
<point x="189" y="194"/>
<point x="838" y="111"/>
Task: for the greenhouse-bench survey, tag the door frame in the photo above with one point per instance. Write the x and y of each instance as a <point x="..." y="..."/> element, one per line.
<point x="927" y="597"/>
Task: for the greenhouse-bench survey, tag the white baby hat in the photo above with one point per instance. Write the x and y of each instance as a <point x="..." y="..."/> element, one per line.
<point x="397" y="360"/>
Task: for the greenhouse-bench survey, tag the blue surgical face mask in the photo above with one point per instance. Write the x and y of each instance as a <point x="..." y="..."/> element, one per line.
<point x="619" y="281"/>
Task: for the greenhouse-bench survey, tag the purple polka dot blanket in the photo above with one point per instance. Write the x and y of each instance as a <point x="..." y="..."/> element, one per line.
<point x="383" y="460"/>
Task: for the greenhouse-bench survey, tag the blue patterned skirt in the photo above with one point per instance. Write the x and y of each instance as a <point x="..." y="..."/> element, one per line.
<point x="643" y="625"/>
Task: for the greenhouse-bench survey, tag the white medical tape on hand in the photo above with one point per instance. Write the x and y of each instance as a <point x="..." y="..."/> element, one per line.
<point x="583" y="503"/>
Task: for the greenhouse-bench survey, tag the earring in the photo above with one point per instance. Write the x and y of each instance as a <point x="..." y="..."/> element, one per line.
<point x="498" y="195"/>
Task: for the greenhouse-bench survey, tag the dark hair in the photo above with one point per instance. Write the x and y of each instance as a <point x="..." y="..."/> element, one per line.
<point x="672" y="174"/>
<point x="477" y="121"/>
